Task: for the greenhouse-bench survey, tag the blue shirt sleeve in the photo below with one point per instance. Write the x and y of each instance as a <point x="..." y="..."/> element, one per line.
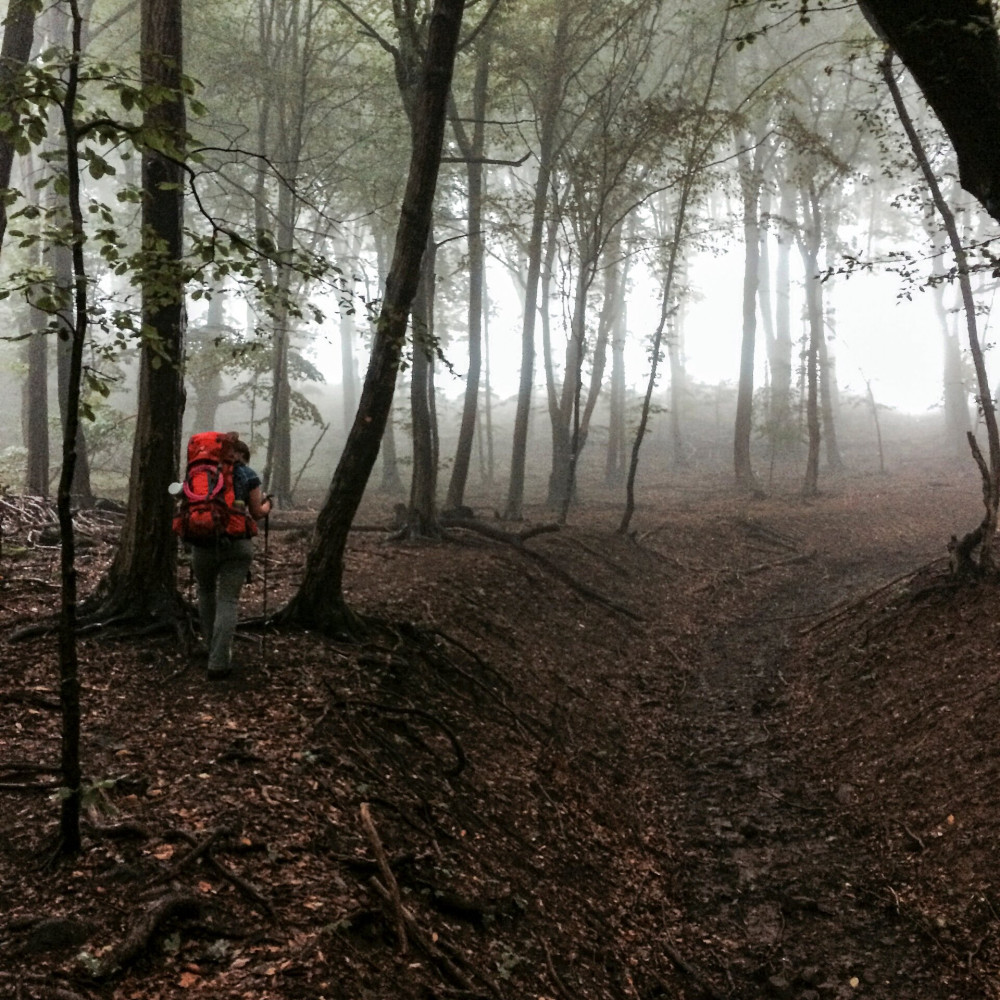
<point x="244" y="481"/>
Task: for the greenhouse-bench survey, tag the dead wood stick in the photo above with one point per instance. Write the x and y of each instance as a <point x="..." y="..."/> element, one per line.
<point x="17" y="786"/>
<point x="197" y="851"/>
<point x="554" y="976"/>
<point x="33" y="698"/>
<point x="426" y="943"/>
<point x="778" y="563"/>
<point x="392" y="886"/>
<point x="253" y="894"/>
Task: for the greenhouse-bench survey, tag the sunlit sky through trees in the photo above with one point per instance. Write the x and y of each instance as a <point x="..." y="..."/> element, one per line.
<point x="880" y="335"/>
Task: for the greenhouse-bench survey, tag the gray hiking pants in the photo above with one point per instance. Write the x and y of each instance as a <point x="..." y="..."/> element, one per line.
<point x="220" y="571"/>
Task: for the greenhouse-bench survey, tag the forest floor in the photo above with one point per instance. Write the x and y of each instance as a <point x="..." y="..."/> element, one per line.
<point x="748" y="751"/>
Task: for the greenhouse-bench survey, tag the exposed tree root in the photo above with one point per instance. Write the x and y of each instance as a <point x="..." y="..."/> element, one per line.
<point x="460" y="758"/>
<point x="183" y="906"/>
<point x="517" y="541"/>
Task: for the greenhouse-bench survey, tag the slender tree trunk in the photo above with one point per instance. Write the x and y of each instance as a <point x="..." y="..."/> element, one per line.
<point x="613" y="302"/>
<point x="473" y="149"/>
<point x="780" y="358"/>
<point x="985" y="535"/>
<point x="278" y="465"/>
<point x="566" y="416"/>
<point x="69" y="670"/>
<point x="750" y="183"/>
<point x="809" y="247"/>
<point x="348" y="335"/>
<point x="422" y="515"/>
<point x="546" y="152"/>
<point x="614" y="466"/>
<point x="319" y="601"/>
<point x="678" y="385"/>
<point x="695" y="156"/>
<point x="828" y="392"/>
<point x="202" y="372"/>
<point x="35" y="403"/>
<point x="954" y="389"/>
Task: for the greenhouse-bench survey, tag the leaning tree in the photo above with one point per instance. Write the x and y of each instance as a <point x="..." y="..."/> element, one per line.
<point x="319" y="601"/>
<point x="952" y="49"/>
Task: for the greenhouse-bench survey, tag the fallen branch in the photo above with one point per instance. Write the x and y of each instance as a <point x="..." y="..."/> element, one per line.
<point x="392" y="886"/>
<point x="32" y="698"/>
<point x="427" y="945"/>
<point x="242" y="885"/>
<point x="198" y="851"/>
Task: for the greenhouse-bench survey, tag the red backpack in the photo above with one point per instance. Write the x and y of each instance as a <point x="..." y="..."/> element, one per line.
<point x="208" y="510"/>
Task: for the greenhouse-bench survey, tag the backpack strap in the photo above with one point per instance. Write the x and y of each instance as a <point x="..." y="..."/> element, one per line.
<point x="216" y="487"/>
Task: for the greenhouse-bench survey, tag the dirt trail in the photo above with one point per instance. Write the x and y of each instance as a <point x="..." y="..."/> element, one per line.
<point x="781" y="895"/>
<point x="620" y="769"/>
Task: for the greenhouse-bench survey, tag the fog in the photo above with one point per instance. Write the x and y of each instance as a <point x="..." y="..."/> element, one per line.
<point x="646" y="197"/>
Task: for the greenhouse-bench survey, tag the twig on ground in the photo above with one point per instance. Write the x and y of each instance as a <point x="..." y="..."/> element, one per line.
<point x="391" y="885"/>
<point x="253" y="894"/>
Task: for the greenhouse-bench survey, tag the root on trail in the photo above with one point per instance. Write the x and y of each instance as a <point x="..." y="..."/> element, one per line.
<point x="517" y="540"/>
<point x="176" y="906"/>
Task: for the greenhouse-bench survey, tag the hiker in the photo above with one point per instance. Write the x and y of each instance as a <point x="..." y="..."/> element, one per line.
<point x="221" y="567"/>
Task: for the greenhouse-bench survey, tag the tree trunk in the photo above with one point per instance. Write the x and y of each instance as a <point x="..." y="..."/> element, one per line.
<point x="828" y="390"/>
<point x="809" y="248"/>
<point x="780" y="351"/>
<point x="954" y="389"/>
<point x="35" y="404"/>
<point x="201" y="367"/>
<point x="566" y="416"/>
<point x="141" y="580"/>
<point x="985" y="535"/>
<point x="546" y="153"/>
<point x="319" y="601"/>
<point x="678" y="385"/>
<point x="614" y="465"/>
<point x="278" y="465"/>
<point x="18" y="36"/>
<point x="69" y="668"/>
<point x="422" y="519"/>
<point x="473" y="150"/>
<point x="750" y="183"/>
<point x="952" y="50"/>
<point x="349" y="334"/>
<point x="61" y="260"/>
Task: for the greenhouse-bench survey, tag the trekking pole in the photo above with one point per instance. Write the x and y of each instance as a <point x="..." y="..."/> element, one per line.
<point x="267" y="535"/>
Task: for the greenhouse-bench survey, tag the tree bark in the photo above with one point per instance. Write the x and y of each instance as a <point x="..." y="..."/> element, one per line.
<point x="546" y="153"/>
<point x="473" y="149"/>
<point x="18" y="37"/>
<point x="141" y="580"/>
<point x="809" y="248"/>
<point x="952" y="50"/>
<point x="985" y="535"/>
<point x="750" y="184"/>
<point x="319" y="601"/>
<point x="422" y="518"/>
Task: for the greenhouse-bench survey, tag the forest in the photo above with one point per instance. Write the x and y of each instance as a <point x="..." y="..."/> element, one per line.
<point x="620" y="380"/>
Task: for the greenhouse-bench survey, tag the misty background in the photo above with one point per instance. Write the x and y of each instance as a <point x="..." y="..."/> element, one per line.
<point x="663" y="132"/>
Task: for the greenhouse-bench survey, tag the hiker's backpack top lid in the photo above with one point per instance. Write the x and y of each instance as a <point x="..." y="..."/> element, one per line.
<point x="208" y="510"/>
